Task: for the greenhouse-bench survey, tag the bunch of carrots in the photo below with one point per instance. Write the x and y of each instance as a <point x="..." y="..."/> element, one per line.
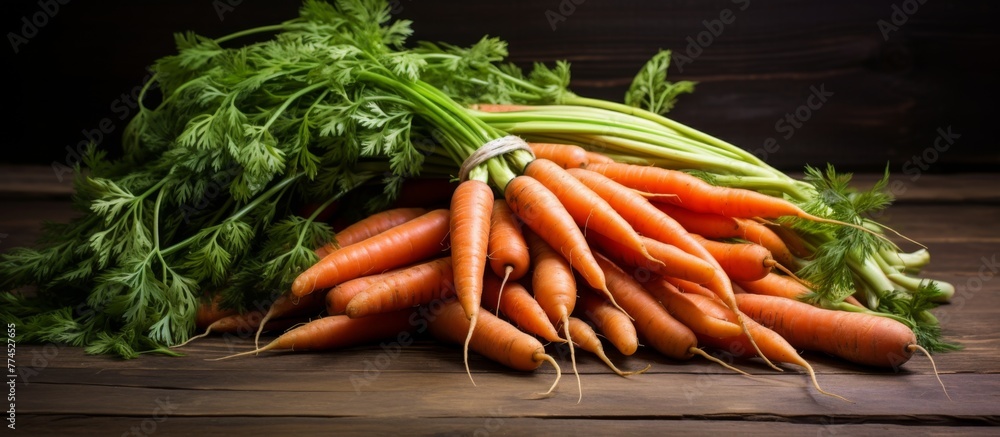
<point x="578" y="246"/>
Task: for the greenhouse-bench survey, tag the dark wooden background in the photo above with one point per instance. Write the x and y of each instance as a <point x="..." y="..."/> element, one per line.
<point x="891" y="92"/>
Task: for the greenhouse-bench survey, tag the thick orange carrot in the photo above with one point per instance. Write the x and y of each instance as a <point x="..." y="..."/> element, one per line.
<point x="334" y="332"/>
<point x="673" y="261"/>
<point x="586" y="338"/>
<point x="857" y="337"/>
<point x="519" y="306"/>
<point x="610" y="321"/>
<point x="415" y="285"/>
<point x="589" y="210"/>
<point x="783" y="286"/>
<point x="508" y="252"/>
<point x="415" y="240"/>
<point x="370" y="226"/>
<point x="740" y="261"/>
<point x="714" y="226"/>
<point x="471" y="207"/>
<point x="552" y="279"/>
<point x="493" y="338"/>
<point x="546" y="216"/>
<point x="338" y="297"/>
<point x="663" y="332"/>
<point x="680" y="306"/>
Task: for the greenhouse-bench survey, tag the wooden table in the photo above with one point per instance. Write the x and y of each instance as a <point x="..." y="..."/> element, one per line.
<point x="421" y="388"/>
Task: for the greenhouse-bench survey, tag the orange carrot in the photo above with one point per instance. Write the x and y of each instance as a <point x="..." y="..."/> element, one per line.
<point x="714" y="226"/>
<point x="740" y="261"/>
<point x="586" y="338"/>
<point x="370" y="226"/>
<point x="335" y="332"/>
<point x="288" y="305"/>
<point x="652" y="222"/>
<point x="242" y="324"/>
<point x="545" y="215"/>
<point x="566" y="155"/>
<point x="508" y="252"/>
<point x="673" y="261"/>
<point x="663" y="332"/>
<point x="415" y="240"/>
<point x="589" y="210"/>
<point x="471" y="206"/>
<point x="610" y="321"/>
<point x="783" y="286"/>
<point x="493" y="338"/>
<point x="415" y="285"/>
<point x="499" y="107"/>
<point x="689" y="287"/>
<point x="857" y="337"/>
<point x="338" y="297"/>
<point x="679" y="306"/>
<point x="521" y="309"/>
<point x="209" y="312"/>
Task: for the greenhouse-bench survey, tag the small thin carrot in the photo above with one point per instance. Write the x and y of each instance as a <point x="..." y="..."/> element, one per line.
<point x="610" y="321"/>
<point x="689" y="287"/>
<point x="493" y="338"/>
<point x="783" y="286"/>
<point x="586" y="338"/>
<point x="209" y="311"/>
<point x="288" y="305"/>
<point x="415" y="240"/>
<point x="546" y="216"/>
<point x="370" y="226"/>
<point x="740" y="261"/>
<point x="335" y="332"/>
<point x="471" y="208"/>
<point x="673" y="261"/>
<point x="508" y="252"/>
<point x="715" y="226"/>
<point x="242" y="324"/>
<point x="415" y="285"/>
<point x="589" y="210"/>
<point x="680" y="306"/>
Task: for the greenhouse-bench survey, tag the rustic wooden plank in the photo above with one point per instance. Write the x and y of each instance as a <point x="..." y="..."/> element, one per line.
<point x="70" y="426"/>
<point x="876" y="398"/>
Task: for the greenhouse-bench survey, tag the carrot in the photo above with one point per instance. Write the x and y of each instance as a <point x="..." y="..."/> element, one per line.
<point x="335" y="332"/>
<point x="554" y="286"/>
<point x="698" y="195"/>
<point x="860" y="338"/>
<point x="566" y="155"/>
<point x="370" y="226"/>
<point x="288" y="305"/>
<point x="546" y="216"/>
<point x="740" y="261"/>
<point x="586" y="338"/>
<point x="209" y="312"/>
<point x="663" y="332"/>
<point x="589" y="210"/>
<point x="679" y="306"/>
<point x="471" y="206"/>
<point x="783" y="286"/>
<point x="519" y="307"/>
<point x="652" y="222"/>
<point x="714" y="226"/>
<point x="417" y="239"/>
<point x="493" y="338"/>
<point x="689" y="287"/>
<point x="508" y="252"/>
<point x="338" y="297"/>
<point x="241" y="323"/>
<point x="411" y="286"/>
<point x="612" y="322"/>
<point x="673" y="261"/>
<point x="499" y="107"/>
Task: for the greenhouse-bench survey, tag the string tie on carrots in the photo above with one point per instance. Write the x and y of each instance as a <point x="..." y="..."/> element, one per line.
<point x="491" y="149"/>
